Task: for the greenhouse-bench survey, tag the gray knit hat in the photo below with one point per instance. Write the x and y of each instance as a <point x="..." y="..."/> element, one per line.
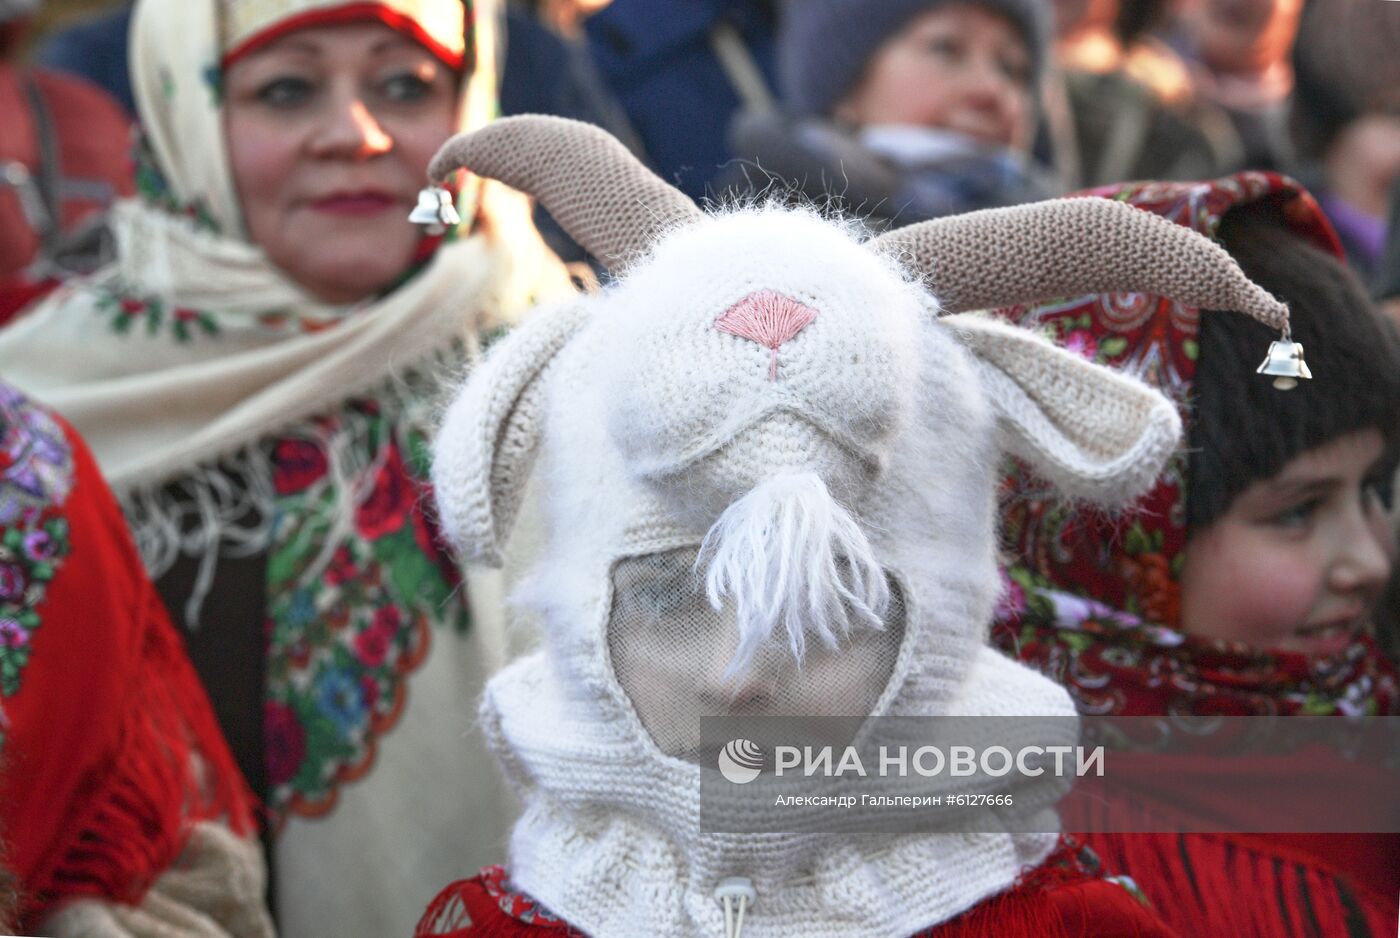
<point x="824" y="45"/>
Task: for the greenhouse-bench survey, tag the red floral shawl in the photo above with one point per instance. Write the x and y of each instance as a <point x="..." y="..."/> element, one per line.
<point x="109" y="747"/>
<point x="1094" y="602"/>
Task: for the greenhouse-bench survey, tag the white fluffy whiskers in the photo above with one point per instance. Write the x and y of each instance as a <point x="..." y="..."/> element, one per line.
<point x="787" y="555"/>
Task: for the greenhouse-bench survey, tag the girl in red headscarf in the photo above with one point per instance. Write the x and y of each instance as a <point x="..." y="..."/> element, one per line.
<point x="1244" y="584"/>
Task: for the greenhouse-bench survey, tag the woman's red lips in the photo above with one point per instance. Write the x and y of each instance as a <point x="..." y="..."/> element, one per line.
<point x="354" y="203"/>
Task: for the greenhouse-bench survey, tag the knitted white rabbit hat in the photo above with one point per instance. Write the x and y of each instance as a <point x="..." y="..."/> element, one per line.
<point x="765" y="399"/>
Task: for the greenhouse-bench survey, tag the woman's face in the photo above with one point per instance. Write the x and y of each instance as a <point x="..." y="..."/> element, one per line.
<point x="957" y="67"/>
<point x="1299" y="560"/>
<point x="330" y="130"/>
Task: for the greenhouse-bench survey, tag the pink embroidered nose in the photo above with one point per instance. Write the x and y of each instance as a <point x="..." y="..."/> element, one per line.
<point x="768" y="318"/>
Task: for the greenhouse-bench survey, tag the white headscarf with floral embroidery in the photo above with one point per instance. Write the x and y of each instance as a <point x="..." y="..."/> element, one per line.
<point x="192" y="346"/>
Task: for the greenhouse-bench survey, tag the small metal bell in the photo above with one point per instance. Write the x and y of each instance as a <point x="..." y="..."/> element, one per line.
<point x="434" y="209"/>
<point x="1285" y="362"/>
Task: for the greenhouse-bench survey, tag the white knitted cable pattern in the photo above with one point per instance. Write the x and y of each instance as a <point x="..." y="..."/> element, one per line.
<point x="610" y="838"/>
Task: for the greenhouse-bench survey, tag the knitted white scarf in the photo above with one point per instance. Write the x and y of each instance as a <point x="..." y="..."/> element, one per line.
<point x="611" y="837"/>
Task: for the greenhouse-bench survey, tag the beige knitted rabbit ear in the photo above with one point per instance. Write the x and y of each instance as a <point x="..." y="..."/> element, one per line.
<point x="1072" y="247"/>
<point x="1095" y="433"/>
<point x="596" y="190"/>
<point x="487" y="442"/>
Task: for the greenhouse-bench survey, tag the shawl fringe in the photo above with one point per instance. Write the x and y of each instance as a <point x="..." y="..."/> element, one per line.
<point x="172" y="769"/>
<point x="228" y="506"/>
<point x="1216" y="886"/>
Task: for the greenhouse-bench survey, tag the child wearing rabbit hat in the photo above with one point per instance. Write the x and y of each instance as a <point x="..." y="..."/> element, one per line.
<point x="735" y="441"/>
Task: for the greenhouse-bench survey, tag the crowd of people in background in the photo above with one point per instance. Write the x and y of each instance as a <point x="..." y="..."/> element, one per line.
<point x="1013" y="101"/>
<point x="223" y="354"/>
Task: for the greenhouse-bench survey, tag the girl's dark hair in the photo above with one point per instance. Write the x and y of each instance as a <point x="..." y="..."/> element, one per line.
<point x="1243" y="429"/>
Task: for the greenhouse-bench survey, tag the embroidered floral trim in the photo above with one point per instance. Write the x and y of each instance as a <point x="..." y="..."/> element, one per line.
<point x="127" y="313"/>
<point x="345" y="631"/>
<point x="36" y="476"/>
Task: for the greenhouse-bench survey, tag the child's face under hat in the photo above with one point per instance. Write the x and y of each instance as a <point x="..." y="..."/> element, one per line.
<point x="1298" y="561"/>
<point x="1269" y="529"/>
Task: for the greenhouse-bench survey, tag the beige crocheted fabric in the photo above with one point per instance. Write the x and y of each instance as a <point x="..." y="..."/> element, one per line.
<point x="594" y="188"/>
<point x="1069" y="247"/>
